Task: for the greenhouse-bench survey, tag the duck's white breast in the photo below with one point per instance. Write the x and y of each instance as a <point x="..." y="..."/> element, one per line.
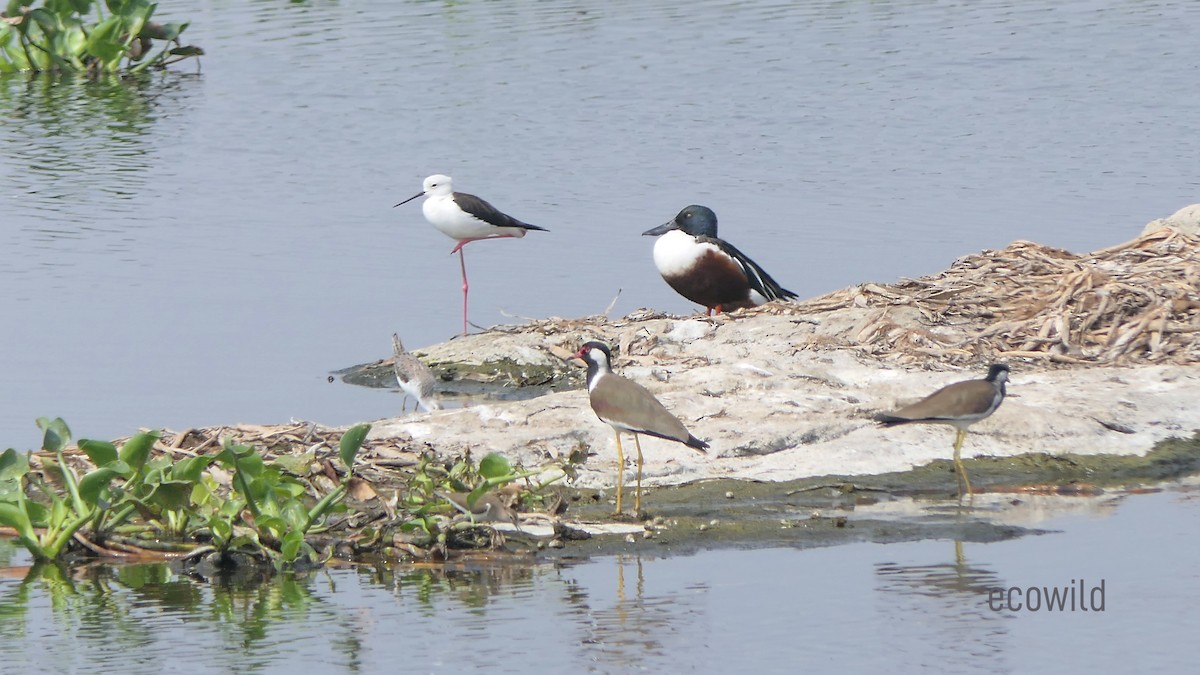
<point x="676" y="252"/>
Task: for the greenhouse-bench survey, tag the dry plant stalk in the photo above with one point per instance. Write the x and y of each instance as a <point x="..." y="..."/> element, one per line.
<point x="1138" y="302"/>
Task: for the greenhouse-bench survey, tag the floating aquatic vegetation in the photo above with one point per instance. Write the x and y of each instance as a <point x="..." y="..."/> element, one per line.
<point x="88" y="36"/>
<point x="229" y="497"/>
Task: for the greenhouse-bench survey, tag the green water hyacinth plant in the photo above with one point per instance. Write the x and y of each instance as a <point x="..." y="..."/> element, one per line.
<point x="266" y="513"/>
<point x="88" y="36"/>
<point x="290" y="504"/>
<point x="62" y="515"/>
<point x="134" y="498"/>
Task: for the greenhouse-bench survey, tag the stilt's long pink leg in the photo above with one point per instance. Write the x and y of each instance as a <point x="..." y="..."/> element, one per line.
<point x="462" y="261"/>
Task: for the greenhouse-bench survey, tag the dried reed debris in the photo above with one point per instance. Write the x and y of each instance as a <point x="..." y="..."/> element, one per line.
<point x="1138" y="302"/>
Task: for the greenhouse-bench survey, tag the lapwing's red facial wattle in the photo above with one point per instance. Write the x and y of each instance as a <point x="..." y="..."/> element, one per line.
<point x="581" y="353"/>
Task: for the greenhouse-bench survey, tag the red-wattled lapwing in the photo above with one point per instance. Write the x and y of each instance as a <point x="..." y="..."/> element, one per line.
<point x="959" y="405"/>
<point x="414" y="377"/>
<point x="466" y="218"/>
<point x="706" y="269"/>
<point x="625" y="405"/>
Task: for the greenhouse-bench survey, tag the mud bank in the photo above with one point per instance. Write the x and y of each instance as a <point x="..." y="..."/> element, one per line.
<point x="774" y="412"/>
<point x="1104" y="350"/>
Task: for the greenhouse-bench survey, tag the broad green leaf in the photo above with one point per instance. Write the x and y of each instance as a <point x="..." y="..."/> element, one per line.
<point x="38" y="515"/>
<point x="186" y="50"/>
<point x="15" y="518"/>
<point x="201" y="494"/>
<point x="351" y="443"/>
<point x="288" y="489"/>
<point x="136" y="450"/>
<point x="494" y="465"/>
<point x="242" y="457"/>
<point x="135" y="20"/>
<point x="252" y="465"/>
<point x="296" y="515"/>
<point x="190" y="469"/>
<point x="14" y="53"/>
<point x="102" y="453"/>
<point x="94" y="483"/>
<point x="174" y="495"/>
<point x="122" y="468"/>
<point x="13" y="465"/>
<point x="104" y="41"/>
<point x="274" y="525"/>
<point x="299" y="465"/>
<point x="47" y="20"/>
<point x="258" y="488"/>
<point x="153" y="473"/>
<point x="290" y="545"/>
<point x="57" y="435"/>
<point x="422" y="524"/>
<point x="231" y="507"/>
<point x="222" y="530"/>
<point x="266" y="507"/>
<point x="74" y="42"/>
<point x="229" y="452"/>
<point x="58" y="514"/>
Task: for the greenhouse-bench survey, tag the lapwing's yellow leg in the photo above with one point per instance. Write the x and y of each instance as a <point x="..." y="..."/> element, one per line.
<point x="620" y="471"/>
<point x="958" y="441"/>
<point x="637" y="498"/>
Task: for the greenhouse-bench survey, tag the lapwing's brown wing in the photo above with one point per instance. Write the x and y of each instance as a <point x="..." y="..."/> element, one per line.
<point x="961" y="401"/>
<point x="631" y="406"/>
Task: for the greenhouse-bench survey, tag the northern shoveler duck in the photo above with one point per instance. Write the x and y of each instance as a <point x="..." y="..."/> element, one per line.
<point x="706" y="269"/>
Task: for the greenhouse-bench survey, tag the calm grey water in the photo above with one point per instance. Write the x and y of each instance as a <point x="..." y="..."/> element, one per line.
<point x="193" y="250"/>
<point x="860" y="608"/>
<point x="203" y="250"/>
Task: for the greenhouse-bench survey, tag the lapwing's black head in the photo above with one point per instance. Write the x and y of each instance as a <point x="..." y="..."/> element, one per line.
<point x="594" y="352"/>
<point x="598" y="359"/>
<point x="695" y="220"/>
<point x="998" y="373"/>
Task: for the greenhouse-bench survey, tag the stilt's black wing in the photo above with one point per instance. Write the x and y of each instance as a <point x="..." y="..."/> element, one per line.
<point x="488" y="213"/>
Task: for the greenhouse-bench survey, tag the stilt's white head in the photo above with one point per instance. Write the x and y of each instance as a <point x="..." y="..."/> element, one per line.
<point x="437" y="185"/>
